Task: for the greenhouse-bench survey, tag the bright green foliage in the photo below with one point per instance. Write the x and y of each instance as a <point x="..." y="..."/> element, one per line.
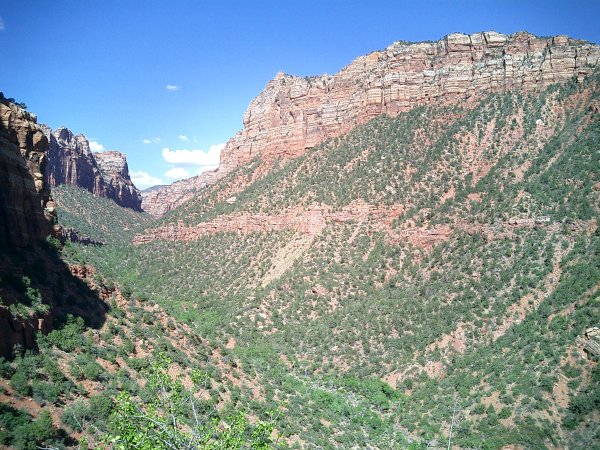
<point x="79" y="209"/>
<point x="170" y="419"/>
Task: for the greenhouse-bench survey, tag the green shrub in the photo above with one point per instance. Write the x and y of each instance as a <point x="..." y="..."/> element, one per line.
<point x="20" y="383"/>
<point x="69" y="336"/>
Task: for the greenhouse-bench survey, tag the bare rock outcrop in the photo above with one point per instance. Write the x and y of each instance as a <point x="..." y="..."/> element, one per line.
<point x="26" y="212"/>
<point x="119" y="187"/>
<point x="158" y="202"/>
<point x="309" y="221"/>
<point x="105" y="174"/>
<point x="295" y="113"/>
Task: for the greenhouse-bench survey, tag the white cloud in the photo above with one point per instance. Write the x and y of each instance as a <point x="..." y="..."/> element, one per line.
<point x="183" y="137"/>
<point x="146" y="141"/>
<point x="155" y="140"/>
<point x="1" y="24"/>
<point x="177" y="173"/>
<point x="96" y="146"/>
<point x="194" y="157"/>
<point x="144" y="180"/>
<point x="171" y="87"/>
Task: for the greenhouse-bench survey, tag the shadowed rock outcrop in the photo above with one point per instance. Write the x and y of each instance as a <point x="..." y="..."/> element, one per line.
<point x="36" y="286"/>
<point x="26" y="210"/>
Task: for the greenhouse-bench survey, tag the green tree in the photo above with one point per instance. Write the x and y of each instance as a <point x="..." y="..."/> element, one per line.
<point x="170" y="420"/>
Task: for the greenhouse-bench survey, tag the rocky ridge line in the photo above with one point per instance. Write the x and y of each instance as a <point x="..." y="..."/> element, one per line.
<point x="295" y="113"/>
<point x="105" y="174"/>
<point x="311" y="221"/>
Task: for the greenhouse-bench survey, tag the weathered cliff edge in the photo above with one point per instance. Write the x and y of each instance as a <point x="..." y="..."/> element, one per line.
<point x="26" y="209"/>
<point x="105" y="174"/>
<point x="295" y="113"/>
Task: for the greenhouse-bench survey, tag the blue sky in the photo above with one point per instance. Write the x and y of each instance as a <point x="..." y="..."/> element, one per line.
<point x="145" y="76"/>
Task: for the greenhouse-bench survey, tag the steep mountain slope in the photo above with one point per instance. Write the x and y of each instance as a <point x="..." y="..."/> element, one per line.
<point x="105" y="174"/>
<point x="79" y="211"/>
<point x="26" y="218"/>
<point x="294" y="113"/>
<point x="440" y="263"/>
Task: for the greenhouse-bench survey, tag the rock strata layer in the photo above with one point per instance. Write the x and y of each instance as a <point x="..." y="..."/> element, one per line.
<point x="309" y="221"/>
<point x="26" y="209"/>
<point x="295" y="113"/>
<point x="105" y="174"/>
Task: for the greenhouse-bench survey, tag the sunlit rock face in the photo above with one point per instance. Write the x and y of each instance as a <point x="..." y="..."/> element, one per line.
<point x="294" y="113"/>
<point x="103" y="173"/>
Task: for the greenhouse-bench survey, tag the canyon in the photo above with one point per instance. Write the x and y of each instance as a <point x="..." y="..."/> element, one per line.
<point x="442" y="246"/>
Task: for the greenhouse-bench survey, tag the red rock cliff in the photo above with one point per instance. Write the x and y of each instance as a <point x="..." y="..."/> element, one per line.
<point x="105" y="174"/>
<point x="295" y="113"/>
<point x="25" y="207"/>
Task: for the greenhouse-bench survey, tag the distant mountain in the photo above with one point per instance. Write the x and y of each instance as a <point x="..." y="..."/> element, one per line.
<point x="153" y="188"/>
<point x="105" y="174"/>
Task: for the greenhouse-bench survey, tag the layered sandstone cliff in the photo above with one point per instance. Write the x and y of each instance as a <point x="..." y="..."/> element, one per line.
<point x="70" y="161"/>
<point x="119" y="187"/>
<point x="295" y="113"/>
<point x="26" y="209"/>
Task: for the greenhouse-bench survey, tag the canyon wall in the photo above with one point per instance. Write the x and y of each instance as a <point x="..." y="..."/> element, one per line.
<point x="27" y="212"/>
<point x="26" y="209"/>
<point x="295" y="113"/>
<point x="105" y="174"/>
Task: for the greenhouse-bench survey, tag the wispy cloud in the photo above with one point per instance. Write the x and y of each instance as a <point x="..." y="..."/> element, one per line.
<point x="144" y="180"/>
<point x="183" y="137"/>
<point x="194" y="157"/>
<point x="96" y="146"/>
<point x="177" y="173"/>
<point x="155" y="140"/>
<point x="1" y="24"/>
<point x="172" y="87"/>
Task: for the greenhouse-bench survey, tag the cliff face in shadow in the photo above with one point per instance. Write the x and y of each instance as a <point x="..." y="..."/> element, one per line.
<point x="36" y="286"/>
<point x="24" y="193"/>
